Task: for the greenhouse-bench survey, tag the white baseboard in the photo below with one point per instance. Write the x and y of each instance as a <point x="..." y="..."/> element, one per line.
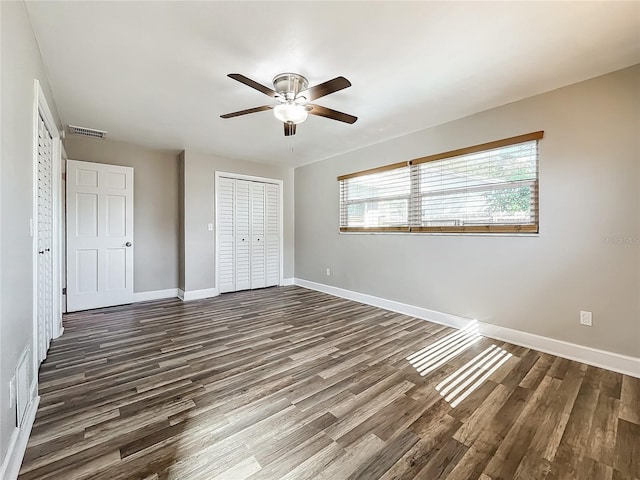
<point x="591" y="356"/>
<point x="59" y="332"/>
<point x="418" y="312"/>
<point x="197" y="294"/>
<point x="287" y="282"/>
<point x="155" y="295"/>
<point x="18" y="443"/>
<point x="572" y="351"/>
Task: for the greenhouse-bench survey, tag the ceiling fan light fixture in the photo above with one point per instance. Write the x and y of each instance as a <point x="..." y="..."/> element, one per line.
<point x="293" y="94"/>
<point x="290" y="113"/>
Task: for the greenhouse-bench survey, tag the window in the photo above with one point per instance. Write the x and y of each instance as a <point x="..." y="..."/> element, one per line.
<point x="491" y="187"/>
<point x="379" y="199"/>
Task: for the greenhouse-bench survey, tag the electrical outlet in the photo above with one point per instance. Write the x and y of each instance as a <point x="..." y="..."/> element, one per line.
<point x="210" y="227"/>
<point x="328" y="272"/>
<point x="586" y="318"/>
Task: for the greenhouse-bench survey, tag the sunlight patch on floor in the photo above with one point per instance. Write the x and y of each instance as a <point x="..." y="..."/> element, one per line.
<point x="464" y="381"/>
<point x="440" y="352"/>
<point x="468" y="378"/>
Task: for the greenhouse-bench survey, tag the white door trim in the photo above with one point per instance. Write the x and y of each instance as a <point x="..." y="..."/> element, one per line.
<point x="40" y="107"/>
<point x="63" y="231"/>
<point x="239" y="176"/>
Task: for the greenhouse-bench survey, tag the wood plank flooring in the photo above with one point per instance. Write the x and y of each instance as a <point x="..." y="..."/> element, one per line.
<point x="287" y="383"/>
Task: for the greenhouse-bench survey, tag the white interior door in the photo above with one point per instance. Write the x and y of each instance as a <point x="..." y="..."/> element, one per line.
<point x="45" y="270"/>
<point x="99" y="235"/>
<point x="258" y="243"/>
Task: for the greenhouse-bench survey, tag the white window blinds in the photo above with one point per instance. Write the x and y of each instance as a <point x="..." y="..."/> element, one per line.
<point x="379" y="200"/>
<point x="491" y="187"/>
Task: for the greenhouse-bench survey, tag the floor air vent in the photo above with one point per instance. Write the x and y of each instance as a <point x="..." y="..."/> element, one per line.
<point x="87" y="132"/>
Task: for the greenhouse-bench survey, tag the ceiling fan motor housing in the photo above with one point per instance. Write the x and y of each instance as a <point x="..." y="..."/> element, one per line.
<point x="290" y="84"/>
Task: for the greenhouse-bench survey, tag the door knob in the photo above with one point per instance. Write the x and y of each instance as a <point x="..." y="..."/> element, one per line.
<point x="128" y="244"/>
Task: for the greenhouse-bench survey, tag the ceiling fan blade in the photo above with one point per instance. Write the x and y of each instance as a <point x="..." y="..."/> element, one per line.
<point x="332" y="114"/>
<point x="289" y="129"/>
<point x="325" y="88"/>
<point x="258" y="86"/>
<point x="247" y="111"/>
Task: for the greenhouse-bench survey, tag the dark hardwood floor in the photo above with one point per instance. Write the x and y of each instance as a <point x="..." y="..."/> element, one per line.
<point x="288" y="383"/>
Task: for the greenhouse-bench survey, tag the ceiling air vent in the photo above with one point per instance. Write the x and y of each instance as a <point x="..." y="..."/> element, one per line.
<point x="87" y="132"/>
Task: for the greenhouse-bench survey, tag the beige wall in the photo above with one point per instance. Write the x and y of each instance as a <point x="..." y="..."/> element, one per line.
<point x="589" y="203"/>
<point x="156" y="206"/>
<point x="21" y="64"/>
<point x="199" y="207"/>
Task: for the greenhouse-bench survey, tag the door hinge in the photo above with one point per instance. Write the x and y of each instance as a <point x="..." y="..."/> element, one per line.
<point x="64" y="291"/>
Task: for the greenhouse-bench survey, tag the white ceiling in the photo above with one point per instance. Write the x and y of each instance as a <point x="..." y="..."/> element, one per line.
<point x="154" y="73"/>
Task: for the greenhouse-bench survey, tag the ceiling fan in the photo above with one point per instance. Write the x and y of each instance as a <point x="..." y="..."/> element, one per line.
<point x="293" y="94"/>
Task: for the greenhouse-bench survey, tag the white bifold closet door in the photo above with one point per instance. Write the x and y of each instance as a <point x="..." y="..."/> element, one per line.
<point x="45" y="240"/>
<point x="225" y="223"/>
<point x="272" y="233"/>
<point x="248" y="234"/>
<point x="258" y="250"/>
<point x="242" y="215"/>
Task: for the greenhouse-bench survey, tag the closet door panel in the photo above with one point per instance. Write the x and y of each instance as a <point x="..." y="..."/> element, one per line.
<point x="272" y="216"/>
<point x="226" y="254"/>
<point x="248" y="233"/>
<point x="258" y="244"/>
<point x="242" y="234"/>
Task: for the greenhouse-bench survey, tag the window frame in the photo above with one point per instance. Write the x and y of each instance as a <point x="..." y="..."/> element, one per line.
<point x="416" y="195"/>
